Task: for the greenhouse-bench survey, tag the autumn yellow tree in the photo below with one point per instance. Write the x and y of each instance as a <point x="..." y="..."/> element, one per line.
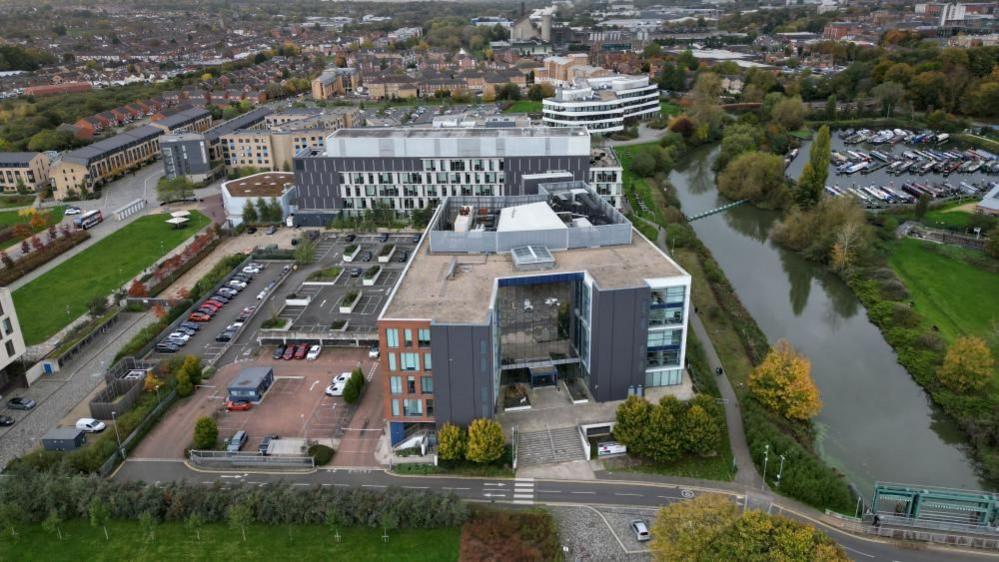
<point x="968" y="365"/>
<point x="485" y="441"/>
<point x="683" y="530"/>
<point x="451" y="443"/>
<point x="783" y="382"/>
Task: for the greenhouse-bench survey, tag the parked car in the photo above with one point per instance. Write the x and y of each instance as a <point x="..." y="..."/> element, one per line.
<point x="228" y="291"/>
<point x="207" y="311"/>
<point x="236" y="442"/>
<point x="366" y="256"/>
<point x="190" y="326"/>
<point x="6" y="420"/>
<point x="237" y="284"/>
<point x="219" y="297"/>
<point x="214" y="305"/>
<point x="90" y="425"/>
<point x="373" y="352"/>
<point x="21" y="403"/>
<point x="251" y="230"/>
<point x="641" y="530"/>
<point x="383" y="237"/>
<point x="350" y="237"/>
<point x="416" y="238"/>
<point x="167" y="346"/>
<point x="73" y="211"/>
<point x="335" y="389"/>
<point x="199" y="317"/>
<point x="403" y="256"/>
<point x="278" y="352"/>
<point x="271" y="229"/>
<point x="289" y="353"/>
<point x="250" y="270"/>
<point x="179" y="336"/>
<point x="314" y="352"/>
<point x="237" y="405"/>
<point x="300" y="350"/>
<point x="266" y="443"/>
<point x="224" y="336"/>
<point x="355" y="272"/>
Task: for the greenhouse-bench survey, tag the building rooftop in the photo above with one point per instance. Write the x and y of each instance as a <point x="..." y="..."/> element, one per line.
<point x="991" y="200"/>
<point x="603" y="158"/>
<point x="427" y="293"/>
<point x="267" y="184"/>
<point x="464" y="142"/>
<point x="16" y="158"/>
<point x="413" y="133"/>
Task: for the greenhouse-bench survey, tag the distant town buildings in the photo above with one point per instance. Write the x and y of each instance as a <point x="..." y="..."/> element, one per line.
<point x="602" y="104"/>
<point x="23" y="171"/>
<point x="277" y="186"/>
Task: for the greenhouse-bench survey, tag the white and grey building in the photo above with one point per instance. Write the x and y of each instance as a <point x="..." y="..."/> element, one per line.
<point x="602" y="104"/>
<point x="404" y="169"/>
<point x="186" y="155"/>
<point x="11" y="337"/>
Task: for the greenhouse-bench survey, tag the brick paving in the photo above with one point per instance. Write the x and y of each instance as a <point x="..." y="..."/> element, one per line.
<point x="59" y="393"/>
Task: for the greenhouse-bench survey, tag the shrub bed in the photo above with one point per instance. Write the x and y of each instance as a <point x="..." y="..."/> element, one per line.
<point x="321" y="453"/>
<point x="38" y="258"/>
<point x="493" y="534"/>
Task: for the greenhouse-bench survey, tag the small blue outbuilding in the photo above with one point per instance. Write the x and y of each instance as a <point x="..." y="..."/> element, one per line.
<point x="251" y="384"/>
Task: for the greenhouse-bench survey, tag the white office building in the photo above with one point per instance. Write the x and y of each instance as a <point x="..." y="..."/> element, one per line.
<point x="11" y="338"/>
<point x="602" y="104"/>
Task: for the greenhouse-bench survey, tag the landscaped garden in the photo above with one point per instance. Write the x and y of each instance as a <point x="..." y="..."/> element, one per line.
<point x="62" y="294"/>
<point x="524" y="106"/>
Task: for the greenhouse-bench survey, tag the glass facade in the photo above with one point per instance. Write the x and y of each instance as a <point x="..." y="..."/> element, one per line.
<point x="664" y="345"/>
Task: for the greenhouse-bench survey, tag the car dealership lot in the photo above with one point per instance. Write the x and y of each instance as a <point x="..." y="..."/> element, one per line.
<point x="294" y="406"/>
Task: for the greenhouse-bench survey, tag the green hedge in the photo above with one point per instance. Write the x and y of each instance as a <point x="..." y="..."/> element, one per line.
<point x="321" y="453"/>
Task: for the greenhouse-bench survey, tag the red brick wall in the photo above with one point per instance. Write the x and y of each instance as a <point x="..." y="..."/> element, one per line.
<point x="386" y="373"/>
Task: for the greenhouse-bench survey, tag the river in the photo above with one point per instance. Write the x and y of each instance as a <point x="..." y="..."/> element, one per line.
<point x="876" y="422"/>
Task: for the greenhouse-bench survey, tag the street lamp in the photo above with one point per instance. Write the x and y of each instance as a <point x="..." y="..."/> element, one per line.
<point x="766" y="457"/>
<point x="780" y="471"/>
<point x="114" y="422"/>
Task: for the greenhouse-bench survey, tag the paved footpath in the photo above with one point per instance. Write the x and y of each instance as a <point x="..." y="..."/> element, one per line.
<point x="59" y="393"/>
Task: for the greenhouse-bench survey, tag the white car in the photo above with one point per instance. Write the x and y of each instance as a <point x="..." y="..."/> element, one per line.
<point x="335" y="389"/>
<point x="342" y="378"/>
<point x="181" y="336"/>
<point x="73" y="211"/>
<point x="314" y="352"/>
<point x="90" y="425"/>
<point x="250" y="270"/>
<point x="261" y="295"/>
<point x="237" y="283"/>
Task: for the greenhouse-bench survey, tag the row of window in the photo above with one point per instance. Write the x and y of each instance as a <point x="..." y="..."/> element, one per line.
<point x="412" y="407"/>
<point x="396" y="385"/>
<point x="664" y="338"/>
<point x="422" y="337"/>
<point x="409" y="361"/>
<point x="426" y="191"/>
<point x="419" y="178"/>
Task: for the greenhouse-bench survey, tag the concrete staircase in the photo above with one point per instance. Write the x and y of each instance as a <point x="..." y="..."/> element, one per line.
<point x="549" y="446"/>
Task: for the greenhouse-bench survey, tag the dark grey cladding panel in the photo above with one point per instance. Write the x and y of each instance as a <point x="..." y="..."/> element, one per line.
<point x="515" y="167"/>
<point x="318" y="178"/>
<point x="462" y="359"/>
<point x="619" y="334"/>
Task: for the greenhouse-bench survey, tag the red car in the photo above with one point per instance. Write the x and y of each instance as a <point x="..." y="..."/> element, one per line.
<point x="209" y="306"/>
<point x="289" y="353"/>
<point x="237" y="405"/>
<point x="199" y="317"/>
<point x="301" y="350"/>
<point x="214" y="302"/>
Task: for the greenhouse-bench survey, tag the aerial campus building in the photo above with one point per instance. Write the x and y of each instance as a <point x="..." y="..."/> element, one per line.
<point x="602" y="104"/>
<point x="536" y="289"/>
<point x="405" y="169"/>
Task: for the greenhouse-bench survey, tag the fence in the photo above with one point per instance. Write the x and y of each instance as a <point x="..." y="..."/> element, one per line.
<point x="886" y="530"/>
<point x="130" y="209"/>
<point x="223" y="460"/>
<point x="133" y="438"/>
<point x="66" y="351"/>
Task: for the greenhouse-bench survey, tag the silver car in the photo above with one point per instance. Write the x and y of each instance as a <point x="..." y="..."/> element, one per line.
<point x="641" y="530"/>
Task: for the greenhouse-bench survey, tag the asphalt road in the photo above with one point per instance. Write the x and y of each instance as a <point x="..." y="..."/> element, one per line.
<point x="529" y="492"/>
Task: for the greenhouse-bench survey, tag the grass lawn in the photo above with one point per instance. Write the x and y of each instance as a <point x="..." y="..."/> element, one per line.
<point x="465" y="469"/>
<point x="669" y="108"/>
<point x="219" y="542"/>
<point x="950" y="292"/>
<point x="98" y="270"/>
<point x="948" y="216"/>
<point x="712" y="468"/>
<point x="52" y="215"/>
<point x="524" y="106"/>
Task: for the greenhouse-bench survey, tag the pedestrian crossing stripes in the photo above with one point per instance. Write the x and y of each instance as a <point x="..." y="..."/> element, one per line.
<point x="520" y="491"/>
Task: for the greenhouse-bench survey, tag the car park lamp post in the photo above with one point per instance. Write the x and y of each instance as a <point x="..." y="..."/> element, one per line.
<point x="766" y="456"/>
<point x="114" y="422"/>
<point x="780" y="471"/>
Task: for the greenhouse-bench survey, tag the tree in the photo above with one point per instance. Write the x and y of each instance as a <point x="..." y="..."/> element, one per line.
<point x="276" y="212"/>
<point x="50" y="139"/>
<point x="633" y="417"/>
<point x="352" y="390"/>
<point x="643" y="164"/>
<point x="194" y="522"/>
<point x="305" y="253"/>
<point x="756" y="176"/>
<point x="700" y="430"/>
<point x="991" y="247"/>
<point x="452" y="442"/>
<point x="99" y="516"/>
<point x="684" y="530"/>
<point x="968" y="365"/>
<point x="922" y="206"/>
<point x="10" y="515"/>
<point x="184" y="385"/>
<point x="664" y="444"/>
<point x="192" y="366"/>
<point x="263" y="210"/>
<point x="250" y="215"/>
<point x="831" y="102"/>
<point x="889" y="94"/>
<point x="789" y="113"/>
<point x="485" y="441"/>
<point x="704" y="107"/>
<point x="239" y="516"/>
<point x="816" y="171"/>
<point x="37" y="221"/>
<point x="147" y="522"/>
<point x="206" y="433"/>
<point x="783" y="383"/>
<point x="53" y="523"/>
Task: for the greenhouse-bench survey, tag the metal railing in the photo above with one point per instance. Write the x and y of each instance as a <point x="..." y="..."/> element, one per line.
<point x="225" y="460"/>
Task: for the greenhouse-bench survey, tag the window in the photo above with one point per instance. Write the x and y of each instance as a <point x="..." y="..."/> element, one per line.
<point x="427" y="364"/>
<point x="411" y="385"/>
<point x="395" y="407"/>
<point x="408" y="337"/>
<point x="423" y="337"/>
<point x="430" y="407"/>
<point x="10" y="348"/>
<point x="392" y="337"/>
<point x="426" y="385"/>
<point x="8" y="328"/>
<point x="664" y="338"/>
<point x="410" y="361"/>
<point x="395" y="385"/>
<point x="412" y="407"/>
<point x="674" y="295"/>
<point x="391" y="362"/>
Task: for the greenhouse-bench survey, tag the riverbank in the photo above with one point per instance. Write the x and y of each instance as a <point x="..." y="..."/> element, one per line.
<point x="740" y="344"/>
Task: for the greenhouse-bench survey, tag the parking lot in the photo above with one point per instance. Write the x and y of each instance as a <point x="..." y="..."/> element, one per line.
<point x="323" y="308"/>
<point x="295" y="406"/>
<point x="203" y="343"/>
